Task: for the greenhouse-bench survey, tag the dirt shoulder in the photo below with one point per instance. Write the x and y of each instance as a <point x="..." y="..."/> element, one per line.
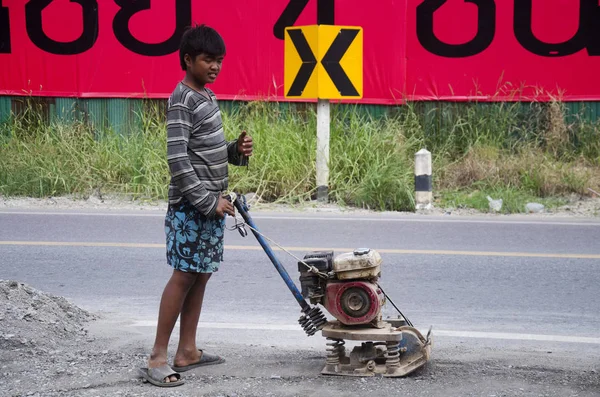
<point x="576" y="207"/>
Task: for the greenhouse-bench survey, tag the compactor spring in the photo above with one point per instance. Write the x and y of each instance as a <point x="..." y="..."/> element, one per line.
<point x="317" y="317"/>
<point x="307" y="325"/>
<point x="393" y="355"/>
<point x="335" y="350"/>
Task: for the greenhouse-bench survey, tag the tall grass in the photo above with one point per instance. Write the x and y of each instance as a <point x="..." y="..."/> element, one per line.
<point x="50" y="159"/>
<point x="521" y="151"/>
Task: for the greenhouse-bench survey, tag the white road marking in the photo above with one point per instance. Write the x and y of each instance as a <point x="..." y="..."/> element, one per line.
<point x="511" y="336"/>
<point x="435" y="333"/>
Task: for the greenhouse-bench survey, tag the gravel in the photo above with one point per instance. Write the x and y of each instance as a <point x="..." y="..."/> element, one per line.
<point x="32" y="320"/>
<point x="51" y="347"/>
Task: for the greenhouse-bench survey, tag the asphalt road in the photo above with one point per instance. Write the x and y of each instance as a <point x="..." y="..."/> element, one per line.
<point x="524" y="285"/>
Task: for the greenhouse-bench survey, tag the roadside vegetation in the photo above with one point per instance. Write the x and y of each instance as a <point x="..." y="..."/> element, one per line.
<point x="512" y="151"/>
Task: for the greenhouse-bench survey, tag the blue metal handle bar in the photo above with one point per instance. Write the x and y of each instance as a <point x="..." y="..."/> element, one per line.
<point x="243" y="210"/>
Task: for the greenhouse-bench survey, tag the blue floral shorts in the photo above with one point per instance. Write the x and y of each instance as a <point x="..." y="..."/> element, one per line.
<point x="194" y="242"/>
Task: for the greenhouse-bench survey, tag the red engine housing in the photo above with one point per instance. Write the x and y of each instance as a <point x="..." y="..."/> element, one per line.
<point x="353" y="302"/>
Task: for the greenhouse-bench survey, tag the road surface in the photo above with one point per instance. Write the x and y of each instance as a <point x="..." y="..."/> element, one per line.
<point x="500" y="293"/>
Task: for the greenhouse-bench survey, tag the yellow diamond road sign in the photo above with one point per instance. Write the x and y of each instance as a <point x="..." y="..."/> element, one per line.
<point x="324" y="62"/>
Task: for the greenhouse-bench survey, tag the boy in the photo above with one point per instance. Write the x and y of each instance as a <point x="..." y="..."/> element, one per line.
<point x="198" y="158"/>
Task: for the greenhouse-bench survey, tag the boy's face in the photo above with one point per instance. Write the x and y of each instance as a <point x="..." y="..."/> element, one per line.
<point x="205" y="68"/>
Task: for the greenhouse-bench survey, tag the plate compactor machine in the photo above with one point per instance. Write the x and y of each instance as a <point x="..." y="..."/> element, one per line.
<point x="347" y="287"/>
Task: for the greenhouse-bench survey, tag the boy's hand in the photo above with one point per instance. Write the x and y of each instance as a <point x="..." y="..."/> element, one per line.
<point x="245" y="144"/>
<point x="224" y="207"/>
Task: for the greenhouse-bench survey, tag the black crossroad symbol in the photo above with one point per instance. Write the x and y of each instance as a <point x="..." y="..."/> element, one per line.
<point x="309" y="62"/>
<point x="331" y="62"/>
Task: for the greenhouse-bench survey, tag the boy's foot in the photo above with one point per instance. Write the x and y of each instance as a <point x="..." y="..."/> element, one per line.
<point x="184" y="361"/>
<point x="161" y="376"/>
<point x="187" y="357"/>
<point x="158" y="362"/>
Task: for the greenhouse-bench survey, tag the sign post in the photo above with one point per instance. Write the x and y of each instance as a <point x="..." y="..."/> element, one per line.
<point x="323" y="133"/>
<point x="323" y="62"/>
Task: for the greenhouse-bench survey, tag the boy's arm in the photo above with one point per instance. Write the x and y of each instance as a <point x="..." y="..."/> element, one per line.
<point x="179" y="129"/>
<point x="234" y="156"/>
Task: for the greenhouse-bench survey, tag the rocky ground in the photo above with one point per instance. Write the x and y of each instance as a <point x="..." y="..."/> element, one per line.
<point x="50" y="347"/>
<point x="577" y="206"/>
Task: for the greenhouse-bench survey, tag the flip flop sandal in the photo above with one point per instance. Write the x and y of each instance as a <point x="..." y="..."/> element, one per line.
<point x="205" y="359"/>
<point x="157" y="376"/>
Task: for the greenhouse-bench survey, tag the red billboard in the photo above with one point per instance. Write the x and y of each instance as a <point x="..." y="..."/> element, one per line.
<point x="417" y="49"/>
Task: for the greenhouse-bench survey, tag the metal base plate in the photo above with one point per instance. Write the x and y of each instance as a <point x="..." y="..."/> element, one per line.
<point x="389" y="351"/>
<point x="371" y="369"/>
<point x="337" y="330"/>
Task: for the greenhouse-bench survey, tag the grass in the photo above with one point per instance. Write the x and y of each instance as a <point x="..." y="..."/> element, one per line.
<point x="514" y="151"/>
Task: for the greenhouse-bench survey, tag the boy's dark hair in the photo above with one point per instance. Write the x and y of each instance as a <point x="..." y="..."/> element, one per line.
<point x="200" y="39"/>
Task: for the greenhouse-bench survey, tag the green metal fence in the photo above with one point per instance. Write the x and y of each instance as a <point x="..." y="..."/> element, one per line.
<point x="124" y="115"/>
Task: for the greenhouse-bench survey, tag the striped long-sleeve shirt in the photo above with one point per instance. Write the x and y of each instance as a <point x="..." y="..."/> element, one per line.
<point x="197" y="152"/>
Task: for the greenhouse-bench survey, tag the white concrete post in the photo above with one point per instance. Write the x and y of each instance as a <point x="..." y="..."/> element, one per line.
<point x="323" y="125"/>
<point x="423" y="193"/>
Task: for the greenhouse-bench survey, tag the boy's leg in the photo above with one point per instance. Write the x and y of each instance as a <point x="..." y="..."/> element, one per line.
<point x="187" y="351"/>
<point x="171" y="303"/>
